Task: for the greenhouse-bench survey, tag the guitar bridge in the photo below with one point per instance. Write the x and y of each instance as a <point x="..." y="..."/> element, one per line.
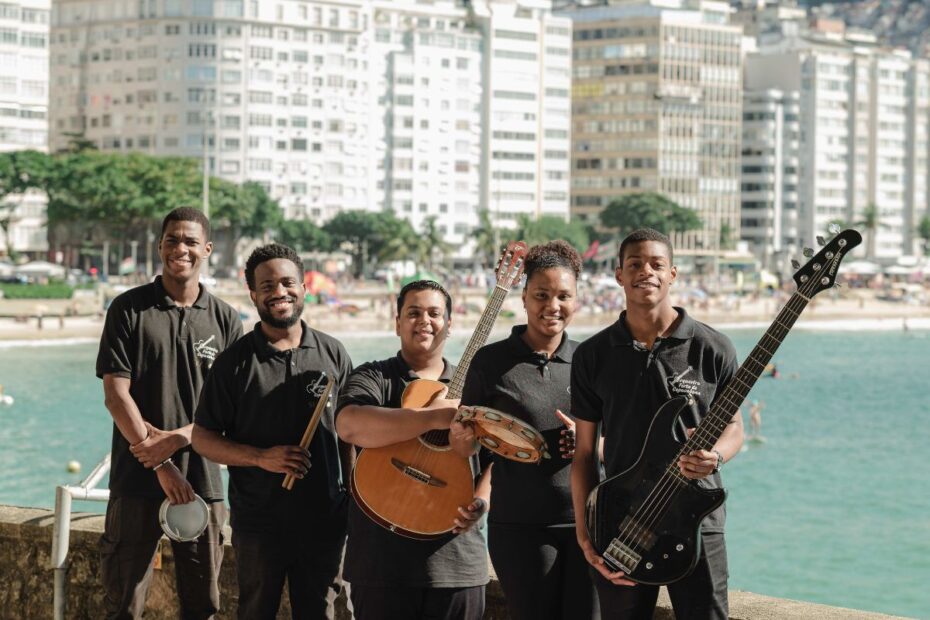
<point x="621" y="557"/>
<point x="416" y="474"/>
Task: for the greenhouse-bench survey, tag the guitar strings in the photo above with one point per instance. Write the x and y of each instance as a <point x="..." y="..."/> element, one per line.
<point x="653" y="509"/>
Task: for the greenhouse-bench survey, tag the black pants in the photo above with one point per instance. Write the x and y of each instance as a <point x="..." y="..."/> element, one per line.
<point x="309" y="561"/>
<point x="127" y="550"/>
<point x="542" y="571"/>
<point x="702" y="595"/>
<point x="401" y="603"/>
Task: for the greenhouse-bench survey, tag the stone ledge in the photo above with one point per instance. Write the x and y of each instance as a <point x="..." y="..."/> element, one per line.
<point x="26" y="581"/>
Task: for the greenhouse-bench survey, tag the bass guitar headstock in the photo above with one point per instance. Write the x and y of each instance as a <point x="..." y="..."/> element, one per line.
<point x="819" y="273"/>
<point x="510" y="267"/>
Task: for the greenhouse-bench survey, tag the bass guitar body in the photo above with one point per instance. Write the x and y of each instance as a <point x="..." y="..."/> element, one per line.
<point x="626" y="515"/>
<point x="414" y="488"/>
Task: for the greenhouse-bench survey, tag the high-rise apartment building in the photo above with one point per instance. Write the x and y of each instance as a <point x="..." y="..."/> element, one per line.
<point x="769" y="184"/>
<point x="24" y="26"/>
<point x="331" y="105"/>
<point x="657" y="107"/>
<point x="863" y="139"/>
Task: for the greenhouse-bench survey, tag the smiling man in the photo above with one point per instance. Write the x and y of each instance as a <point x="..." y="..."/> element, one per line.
<point x="252" y="414"/>
<point x="159" y="342"/>
<point x="392" y="576"/>
<point x="620" y="378"/>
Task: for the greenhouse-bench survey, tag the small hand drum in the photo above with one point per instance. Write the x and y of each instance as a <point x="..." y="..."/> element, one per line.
<point x="504" y="434"/>
<point x="184" y="522"/>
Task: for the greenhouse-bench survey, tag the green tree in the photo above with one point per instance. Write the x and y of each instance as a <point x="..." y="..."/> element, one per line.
<point x="430" y="245"/>
<point x="303" y="236"/>
<point x="923" y="231"/>
<point x="238" y="211"/>
<point x="627" y="213"/>
<point x="726" y="236"/>
<point x="869" y="224"/>
<point x="371" y="238"/>
<point x="487" y="239"/>
<point x="550" y="227"/>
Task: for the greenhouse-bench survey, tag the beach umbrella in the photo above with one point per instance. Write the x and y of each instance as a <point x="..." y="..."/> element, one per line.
<point x="419" y="275"/>
<point x="317" y="282"/>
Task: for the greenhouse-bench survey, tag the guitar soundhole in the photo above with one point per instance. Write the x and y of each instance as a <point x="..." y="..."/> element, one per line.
<point x="436" y="439"/>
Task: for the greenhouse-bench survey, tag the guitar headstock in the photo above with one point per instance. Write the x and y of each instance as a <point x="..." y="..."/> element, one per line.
<point x="510" y="267"/>
<point x="819" y="273"/>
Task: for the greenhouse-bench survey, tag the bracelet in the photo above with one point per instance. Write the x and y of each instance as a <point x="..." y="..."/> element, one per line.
<point x="162" y="464"/>
<point x="719" y="461"/>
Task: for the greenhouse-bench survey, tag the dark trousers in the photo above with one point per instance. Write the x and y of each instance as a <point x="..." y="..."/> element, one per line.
<point x="403" y="603"/>
<point x="542" y="571"/>
<point x="127" y="550"/>
<point x="702" y="595"/>
<point x="310" y="563"/>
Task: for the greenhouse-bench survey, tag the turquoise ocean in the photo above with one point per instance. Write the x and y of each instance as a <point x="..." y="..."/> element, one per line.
<point x="834" y="507"/>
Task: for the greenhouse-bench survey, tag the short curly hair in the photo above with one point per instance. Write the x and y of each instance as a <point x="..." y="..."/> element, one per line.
<point x="556" y="253"/>
<point x="187" y="214"/>
<point x="266" y="253"/>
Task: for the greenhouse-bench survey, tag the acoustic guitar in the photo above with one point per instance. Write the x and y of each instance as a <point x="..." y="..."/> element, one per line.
<point x="646" y="521"/>
<point x="414" y="488"/>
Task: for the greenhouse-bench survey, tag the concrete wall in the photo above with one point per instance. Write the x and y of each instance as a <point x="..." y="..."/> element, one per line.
<point x="26" y="581"/>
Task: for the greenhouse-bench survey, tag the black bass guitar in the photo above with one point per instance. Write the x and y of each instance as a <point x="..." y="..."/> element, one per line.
<point x="646" y="521"/>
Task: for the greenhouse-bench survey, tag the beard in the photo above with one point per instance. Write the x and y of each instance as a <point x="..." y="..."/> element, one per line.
<point x="282" y="323"/>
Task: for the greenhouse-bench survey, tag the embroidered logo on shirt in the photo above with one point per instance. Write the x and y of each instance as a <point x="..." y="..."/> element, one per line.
<point x="203" y="350"/>
<point x="680" y="385"/>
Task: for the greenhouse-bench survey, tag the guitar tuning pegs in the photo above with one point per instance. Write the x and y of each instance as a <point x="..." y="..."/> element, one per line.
<point x="834" y="228"/>
<point x="795" y="264"/>
<point x="808" y="252"/>
<point x="820" y="241"/>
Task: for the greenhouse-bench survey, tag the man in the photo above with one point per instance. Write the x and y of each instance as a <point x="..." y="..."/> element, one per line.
<point x="392" y="576"/>
<point x="252" y="414"/>
<point x="158" y="343"/>
<point x="620" y="378"/>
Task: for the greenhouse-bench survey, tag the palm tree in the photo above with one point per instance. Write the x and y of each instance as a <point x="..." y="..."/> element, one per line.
<point x="431" y="243"/>
<point x="869" y="224"/>
<point x="487" y="239"/>
<point x="923" y="231"/>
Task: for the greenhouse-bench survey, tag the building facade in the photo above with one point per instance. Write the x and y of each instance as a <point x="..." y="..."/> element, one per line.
<point x="657" y="107"/>
<point x="331" y="105"/>
<point x="863" y="141"/>
<point x="24" y="27"/>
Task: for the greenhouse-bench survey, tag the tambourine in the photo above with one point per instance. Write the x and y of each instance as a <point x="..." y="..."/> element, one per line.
<point x="504" y="434"/>
<point x="184" y="522"/>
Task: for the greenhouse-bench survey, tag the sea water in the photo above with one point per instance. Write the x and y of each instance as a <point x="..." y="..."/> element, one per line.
<point x="834" y="507"/>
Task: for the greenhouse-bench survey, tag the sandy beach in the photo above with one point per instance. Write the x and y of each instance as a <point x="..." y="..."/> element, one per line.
<point x="370" y="311"/>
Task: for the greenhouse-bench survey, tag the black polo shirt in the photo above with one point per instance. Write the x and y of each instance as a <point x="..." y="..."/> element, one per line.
<point x="510" y="377"/>
<point x="618" y="382"/>
<point x="377" y="557"/>
<point x="261" y="396"/>
<point x="165" y="351"/>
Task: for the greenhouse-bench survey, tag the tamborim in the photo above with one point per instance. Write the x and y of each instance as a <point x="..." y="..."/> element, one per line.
<point x="184" y="522"/>
<point x="504" y="434"/>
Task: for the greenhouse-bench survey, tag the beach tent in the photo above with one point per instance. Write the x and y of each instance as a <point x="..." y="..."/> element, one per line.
<point x="41" y="269"/>
<point x="862" y="267"/>
<point x="317" y="282"/>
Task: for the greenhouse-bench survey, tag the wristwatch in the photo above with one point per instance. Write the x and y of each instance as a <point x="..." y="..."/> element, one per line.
<point x="719" y="461"/>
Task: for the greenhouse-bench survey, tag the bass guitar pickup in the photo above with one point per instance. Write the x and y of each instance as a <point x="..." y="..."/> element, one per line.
<point x="416" y="474"/>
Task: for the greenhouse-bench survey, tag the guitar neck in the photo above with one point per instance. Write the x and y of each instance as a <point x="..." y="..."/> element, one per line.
<point x="727" y="404"/>
<point x="477" y="340"/>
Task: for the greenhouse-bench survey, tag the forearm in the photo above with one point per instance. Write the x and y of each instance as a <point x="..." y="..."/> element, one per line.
<point x="125" y="413"/>
<point x="219" y="449"/>
<point x="373" y="427"/>
<point x="731" y="440"/>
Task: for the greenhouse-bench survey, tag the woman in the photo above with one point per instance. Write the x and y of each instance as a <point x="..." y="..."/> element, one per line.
<point x="531" y="534"/>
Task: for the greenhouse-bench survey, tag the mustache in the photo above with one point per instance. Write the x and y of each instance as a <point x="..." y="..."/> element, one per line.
<point x="284" y="298"/>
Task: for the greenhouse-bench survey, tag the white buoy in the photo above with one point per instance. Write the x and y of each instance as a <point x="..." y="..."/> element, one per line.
<point x="74" y="467"/>
<point x="6" y="399"/>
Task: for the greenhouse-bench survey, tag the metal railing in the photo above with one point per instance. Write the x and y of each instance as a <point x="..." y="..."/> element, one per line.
<point x="61" y="534"/>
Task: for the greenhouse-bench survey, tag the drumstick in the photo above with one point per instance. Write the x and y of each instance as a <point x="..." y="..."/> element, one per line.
<point x="311" y="427"/>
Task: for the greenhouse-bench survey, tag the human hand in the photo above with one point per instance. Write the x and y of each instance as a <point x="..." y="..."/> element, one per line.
<point x="698" y="464"/>
<point x="175" y="486"/>
<point x="594" y="559"/>
<point x="567" y="442"/>
<point x="442" y="409"/>
<point x="157" y="447"/>
<point x="292" y="460"/>
<point x="462" y="438"/>
<point x="469" y="515"/>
